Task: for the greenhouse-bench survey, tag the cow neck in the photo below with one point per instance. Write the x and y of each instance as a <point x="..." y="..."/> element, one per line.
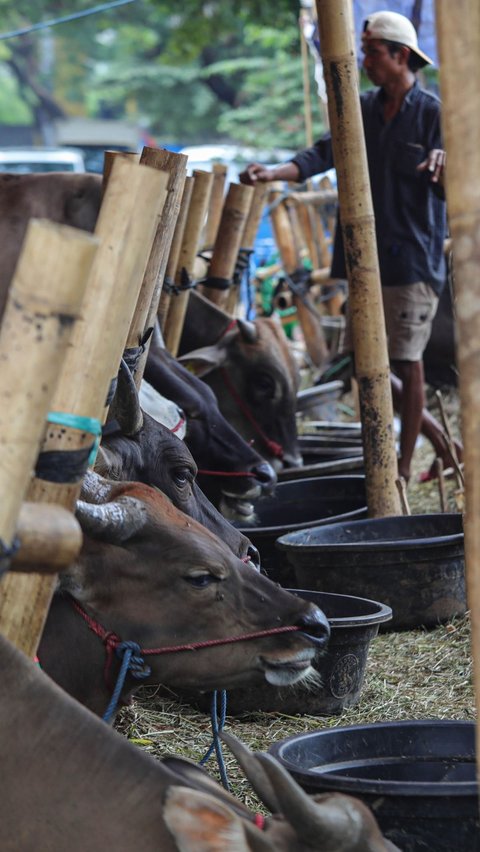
<point x="131" y="654"/>
<point x="275" y="449"/>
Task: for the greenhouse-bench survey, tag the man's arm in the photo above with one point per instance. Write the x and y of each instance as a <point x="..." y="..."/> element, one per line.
<point x="310" y="161"/>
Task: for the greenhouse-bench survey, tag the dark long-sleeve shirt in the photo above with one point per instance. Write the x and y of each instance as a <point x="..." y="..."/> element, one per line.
<point x="410" y="214"/>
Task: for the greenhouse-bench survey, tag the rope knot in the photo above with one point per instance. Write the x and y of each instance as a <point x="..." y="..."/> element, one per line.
<point x="136" y="664"/>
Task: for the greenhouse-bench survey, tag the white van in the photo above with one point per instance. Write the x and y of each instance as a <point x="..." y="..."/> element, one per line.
<point x="25" y="160"/>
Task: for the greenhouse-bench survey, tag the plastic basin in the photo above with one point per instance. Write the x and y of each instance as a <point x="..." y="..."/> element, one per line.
<point x="413" y="563"/>
<point x="418" y="777"/>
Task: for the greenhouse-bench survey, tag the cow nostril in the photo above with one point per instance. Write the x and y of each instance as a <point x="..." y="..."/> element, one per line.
<point x="265" y="474"/>
<point x="314" y="624"/>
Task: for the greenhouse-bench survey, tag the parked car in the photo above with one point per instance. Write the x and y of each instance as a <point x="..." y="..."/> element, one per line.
<point x="24" y="160"/>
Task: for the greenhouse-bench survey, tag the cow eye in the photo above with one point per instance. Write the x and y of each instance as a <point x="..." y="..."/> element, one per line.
<point x="200" y="581"/>
<point x="264" y="384"/>
<point x="182" y="476"/>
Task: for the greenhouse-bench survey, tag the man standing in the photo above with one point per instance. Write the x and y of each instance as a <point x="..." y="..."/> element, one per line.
<point x="406" y="162"/>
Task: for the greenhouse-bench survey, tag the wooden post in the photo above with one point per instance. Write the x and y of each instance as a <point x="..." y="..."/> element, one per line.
<point x="174" y="253"/>
<point x="229" y="235"/>
<point x="197" y="210"/>
<point x="45" y="297"/>
<point x="109" y="158"/>
<point x="125" y="227"/>
<point x="173" y="168"/>
<point x="249" y="234"/>
<point x="48" y="535"/>
<point x="219" y="171"/>
<point x="311" y="327"/>
<point x="459" y="49"/>
<point x="358" y="226"/>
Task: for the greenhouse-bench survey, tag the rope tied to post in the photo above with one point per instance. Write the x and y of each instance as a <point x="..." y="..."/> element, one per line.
<point x="67" y="466"/>
<point x="186" y="283"/>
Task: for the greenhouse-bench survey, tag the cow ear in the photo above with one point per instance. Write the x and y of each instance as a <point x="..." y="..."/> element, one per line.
<point x="200" y="823"/>
<point x="204" y="360"/>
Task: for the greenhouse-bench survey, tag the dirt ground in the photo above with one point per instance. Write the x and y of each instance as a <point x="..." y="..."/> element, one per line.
<point x="416" y="674"/>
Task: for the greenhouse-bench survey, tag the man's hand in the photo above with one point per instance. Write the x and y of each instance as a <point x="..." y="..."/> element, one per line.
<point x="255" y="173"/>
<point x="435" y="164"/>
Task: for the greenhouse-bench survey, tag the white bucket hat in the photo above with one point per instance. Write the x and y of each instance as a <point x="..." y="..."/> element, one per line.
<point x="394" y="27"/>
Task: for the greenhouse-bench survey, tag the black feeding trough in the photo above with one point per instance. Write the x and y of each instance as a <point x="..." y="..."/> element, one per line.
<point x="298" y="505"/>
<point x="354" y="622"/>
<point x="418" y="777"/>
<point x="413" y="563"/>
<point x="332" y="467"/>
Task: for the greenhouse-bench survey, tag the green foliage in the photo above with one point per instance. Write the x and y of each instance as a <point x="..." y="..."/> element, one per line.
<point x="193" y="71"/>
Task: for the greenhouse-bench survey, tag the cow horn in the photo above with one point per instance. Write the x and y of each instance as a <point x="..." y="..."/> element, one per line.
<point x="253" y="770"/>
<point x="96" y="489"/>
<point x="248" y="330"/>
<point x="117" y="521"/>
<point x="125" y="406"/>
<point x="320" y="824"/>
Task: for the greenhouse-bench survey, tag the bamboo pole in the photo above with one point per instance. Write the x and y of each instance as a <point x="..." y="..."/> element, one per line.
<point x="197" y="210"/>
<point x="229" y="235"/>
<point x="174" y="253"/>
<point x="125" y="227"/>
<point x="109" y="158"/>
<point x="459" y="49"/>
<point x="358" y="226"/>
<point x="247" y="242"/>
<point x="219" y="171"/>
<point x="48" y="535"/>
<point x="310" y="323"/>
<point x="173" y="167"/>
<point x="44" y="299"/>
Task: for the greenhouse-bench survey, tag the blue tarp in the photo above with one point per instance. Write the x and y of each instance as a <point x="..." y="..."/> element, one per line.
<point x="421" y="13"/>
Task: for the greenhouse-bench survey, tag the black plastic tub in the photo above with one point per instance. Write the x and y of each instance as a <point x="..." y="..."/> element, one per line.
<point x="353" y="465"/>
<point x="298" y="505"/>
<point x="413" y="563"/>
<point x="313" y="441"/>
<point x="418" y="777"/>
<point x="354" y="622"/>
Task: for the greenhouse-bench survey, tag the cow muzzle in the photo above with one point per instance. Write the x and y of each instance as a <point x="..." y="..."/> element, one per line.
<point x="288" y="668"/>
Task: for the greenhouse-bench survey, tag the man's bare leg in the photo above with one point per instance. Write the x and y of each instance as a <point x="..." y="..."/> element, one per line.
<point x="429" y="427"/>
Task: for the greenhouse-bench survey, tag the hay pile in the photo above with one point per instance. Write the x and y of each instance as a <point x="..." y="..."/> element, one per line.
<point x="415" y="674"/>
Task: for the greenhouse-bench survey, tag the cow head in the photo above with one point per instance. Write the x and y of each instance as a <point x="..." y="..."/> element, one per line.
<point x="255" y="380"/>
<point x="153" y="575"/>
<point x="215" y="444"/>
<point x="143" y="449"/>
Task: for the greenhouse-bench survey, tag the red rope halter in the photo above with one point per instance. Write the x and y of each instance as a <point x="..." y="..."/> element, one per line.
<point x="273" y="447"/>
<point x="111" y="640"/>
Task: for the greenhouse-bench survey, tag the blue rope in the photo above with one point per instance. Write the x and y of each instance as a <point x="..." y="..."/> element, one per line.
<point x="217" y="726"/>
<point x="55" y="21"/>
<point x="84" y="424"/>
<point x="133" y="662"/>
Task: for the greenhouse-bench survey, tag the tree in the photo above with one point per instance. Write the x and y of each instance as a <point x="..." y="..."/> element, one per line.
<point x="195" y="71"/>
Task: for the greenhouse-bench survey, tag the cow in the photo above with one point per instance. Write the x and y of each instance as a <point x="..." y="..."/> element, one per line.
<point x="252" y="372"/>
<point x="150" y="574"/>
<point x="63" y="197"/>
<point x="72" y="782"/>
<point x="217" y="447"/>
<point x="136" y="446"/>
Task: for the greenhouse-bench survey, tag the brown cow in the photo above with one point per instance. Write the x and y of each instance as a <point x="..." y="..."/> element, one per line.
<point x="71" y="782"/>
<point x="63" y="197"/>
<point x="252" y="372"/>
<point x="153" y="575"/>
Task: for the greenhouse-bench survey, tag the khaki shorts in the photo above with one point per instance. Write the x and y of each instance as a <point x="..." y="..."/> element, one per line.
<point x="409" y="312"/>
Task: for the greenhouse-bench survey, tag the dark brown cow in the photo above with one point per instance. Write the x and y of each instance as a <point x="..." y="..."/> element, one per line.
<point x="252" y="372"/>
<point x="154" y="576"/>
<point x="136" y="446"/>
<point x="71" y="782"/>
<point x="216" y="446"/>
<point x="63" y="197"/>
